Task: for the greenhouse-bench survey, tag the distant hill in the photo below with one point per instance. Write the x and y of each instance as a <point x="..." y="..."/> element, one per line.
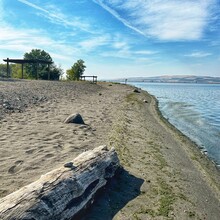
<point x="174" y="79"/>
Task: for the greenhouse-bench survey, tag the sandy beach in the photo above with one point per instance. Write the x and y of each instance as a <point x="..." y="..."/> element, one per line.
<point x="164" y="176"/>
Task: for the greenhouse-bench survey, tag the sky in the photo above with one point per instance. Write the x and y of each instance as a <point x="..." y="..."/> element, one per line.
<point x="116" y="38"/>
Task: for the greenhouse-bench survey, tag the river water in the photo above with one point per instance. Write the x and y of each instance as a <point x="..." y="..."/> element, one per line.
<point x="192" y="108"/>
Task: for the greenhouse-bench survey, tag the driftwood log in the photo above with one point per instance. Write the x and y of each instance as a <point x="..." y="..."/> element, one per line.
<point x="62" y="193"/>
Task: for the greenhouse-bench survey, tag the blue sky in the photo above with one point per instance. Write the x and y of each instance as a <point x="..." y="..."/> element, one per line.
<point x="117" y="38"/>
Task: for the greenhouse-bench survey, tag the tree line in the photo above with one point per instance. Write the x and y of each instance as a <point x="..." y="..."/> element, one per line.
<point x="40" y="70"/>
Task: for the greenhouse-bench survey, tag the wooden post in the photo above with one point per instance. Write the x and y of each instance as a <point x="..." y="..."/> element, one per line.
<point x="48" y="71"/>
<point x="37" y="70"/>
<point x="7" y="67"/>
<point x="22" y="71"/>
<point x="95" y="79"/>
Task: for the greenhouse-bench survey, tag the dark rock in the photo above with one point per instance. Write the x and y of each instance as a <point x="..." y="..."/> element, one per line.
<point x="69" y="165"/>
<point x="136" y="90"/>
<point x="74" y="118"/>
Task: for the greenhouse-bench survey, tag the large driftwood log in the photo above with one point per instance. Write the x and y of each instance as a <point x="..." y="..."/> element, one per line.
<point x="62" y="193"/>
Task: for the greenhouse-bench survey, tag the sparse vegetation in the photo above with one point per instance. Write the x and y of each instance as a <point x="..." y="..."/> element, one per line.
<point x="167" y="198"/>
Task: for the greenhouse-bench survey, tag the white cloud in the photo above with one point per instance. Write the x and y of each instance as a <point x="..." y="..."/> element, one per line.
<point x="56" y="17"/>
<point x="21" y="41"/>
<point x="94" y="42"/>
<point x="33" y="5"/>
<point x="198" y="54"/>
<point x="124" y="54"/>
<point x="117" y="15"/>
<point x="169" y="20"/>
<point x="15" y="41"/>
<point x="145" y="52"/>
<point x="119" y="45"/>
<point x="128" y="53"/>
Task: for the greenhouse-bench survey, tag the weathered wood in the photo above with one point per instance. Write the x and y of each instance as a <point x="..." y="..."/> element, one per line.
<point x="62" y="193"/>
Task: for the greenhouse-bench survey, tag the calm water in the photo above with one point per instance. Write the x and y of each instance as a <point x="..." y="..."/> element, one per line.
<point x="192" y="108"/>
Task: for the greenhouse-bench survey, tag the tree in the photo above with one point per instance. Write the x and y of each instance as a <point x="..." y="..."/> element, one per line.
<point x="16" y="71"/>
<point x="55" y="72"/>
<point x="76" y="70"/>
<point x="3" y="70"/>
<point x="70" y="74"/>
<point x="37" y="70"/>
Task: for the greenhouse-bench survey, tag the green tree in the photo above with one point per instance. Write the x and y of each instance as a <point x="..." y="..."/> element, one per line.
<point x="3" y="70"/>
<point x="16" y="71"/>
<point x="55" y="72"/>
<point x="40" y="70"/>
<point x="76" y="70"/>
<point x="70" y="74"/>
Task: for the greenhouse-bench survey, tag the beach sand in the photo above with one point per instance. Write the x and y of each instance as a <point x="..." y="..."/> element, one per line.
<point x="164" y="175"/>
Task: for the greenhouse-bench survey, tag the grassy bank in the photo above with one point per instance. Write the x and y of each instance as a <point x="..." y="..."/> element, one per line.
<point x="156" y="180"/>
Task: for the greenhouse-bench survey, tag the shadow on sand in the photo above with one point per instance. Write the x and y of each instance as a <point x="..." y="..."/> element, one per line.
<point x="123" y="188"/>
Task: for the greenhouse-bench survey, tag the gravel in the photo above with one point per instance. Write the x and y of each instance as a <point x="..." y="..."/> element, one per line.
<point x="17" y="95"/>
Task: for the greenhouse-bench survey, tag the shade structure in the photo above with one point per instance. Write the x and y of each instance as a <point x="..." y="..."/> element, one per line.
<point x="24" y="61"/>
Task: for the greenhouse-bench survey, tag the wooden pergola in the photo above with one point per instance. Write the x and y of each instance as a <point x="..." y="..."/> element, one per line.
<point x="24" y="61"/>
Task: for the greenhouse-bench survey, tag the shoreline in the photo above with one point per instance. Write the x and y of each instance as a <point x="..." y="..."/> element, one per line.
<point x="190" y="116"/>
<point x="181" y="134"/>
<point x="165" y="176"/>
<point x="170" y="182"/>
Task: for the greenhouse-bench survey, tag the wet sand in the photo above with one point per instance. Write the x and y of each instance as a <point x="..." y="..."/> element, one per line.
<point x="164" y="175"/>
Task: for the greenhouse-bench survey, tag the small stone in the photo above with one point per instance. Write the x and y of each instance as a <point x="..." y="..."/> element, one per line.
<point x="69" y="165"/>
<point x="136" y="90"/>
<point x="145" y="101"/>
<point x="74" y="118"/>
<point x="82" y="126"/>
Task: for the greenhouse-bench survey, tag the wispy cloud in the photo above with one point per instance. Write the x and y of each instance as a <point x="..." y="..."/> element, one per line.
<point x="198" y="54"/>
<point x="33" y="5"/>
<point x="59" y="18"/>
<point x="116" y="14"/>
<point x="169" y="20"/>
<point x="21" y="41"/>
<point x="16" y="40"/>
<point x="130" y="54"/>
<point x="94" y="42"/>
<point x="145" y="52"/>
